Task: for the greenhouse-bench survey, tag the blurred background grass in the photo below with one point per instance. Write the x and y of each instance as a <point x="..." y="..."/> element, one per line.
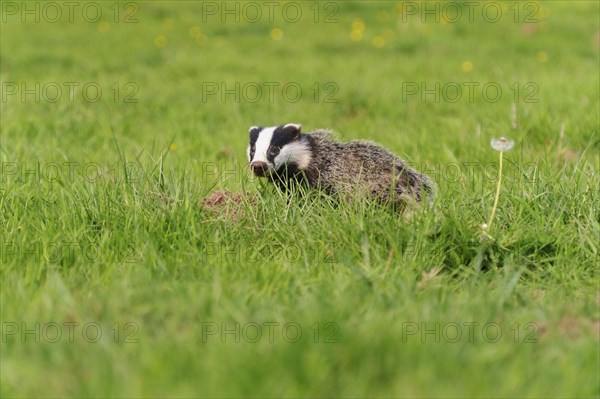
<point x="176" y="48"/>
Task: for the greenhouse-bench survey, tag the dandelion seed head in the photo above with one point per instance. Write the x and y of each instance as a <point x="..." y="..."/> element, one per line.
<point x="502" y="144"/>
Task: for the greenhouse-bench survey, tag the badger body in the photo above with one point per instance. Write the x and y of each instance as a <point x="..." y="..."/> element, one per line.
<point x="287" y="156"/>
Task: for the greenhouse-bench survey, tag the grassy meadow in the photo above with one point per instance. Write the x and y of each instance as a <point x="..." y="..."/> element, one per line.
<point x="139" y="258"/>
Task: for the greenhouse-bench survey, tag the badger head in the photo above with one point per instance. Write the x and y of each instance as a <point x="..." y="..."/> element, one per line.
<point x="277" y="149"/>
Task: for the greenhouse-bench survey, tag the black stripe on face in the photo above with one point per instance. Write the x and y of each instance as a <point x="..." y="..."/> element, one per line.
<point x="254" y="135"/>
<point x="280" y="138"/>
<point x="254" y="132"/>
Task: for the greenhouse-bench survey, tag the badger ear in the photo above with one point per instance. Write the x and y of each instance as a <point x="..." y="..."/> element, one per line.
<point x="254" y="128"/>
<point x="293" y="128"/>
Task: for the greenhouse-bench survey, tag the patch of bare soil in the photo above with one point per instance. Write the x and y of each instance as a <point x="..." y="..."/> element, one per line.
<point x="225" y="205"/>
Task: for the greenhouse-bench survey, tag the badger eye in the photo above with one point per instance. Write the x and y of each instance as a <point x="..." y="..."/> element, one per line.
<point x="252" y="150"/>
<point x="274" y="151"/>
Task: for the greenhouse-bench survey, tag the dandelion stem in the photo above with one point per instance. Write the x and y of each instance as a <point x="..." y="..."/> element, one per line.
<point x="489" y="225"/>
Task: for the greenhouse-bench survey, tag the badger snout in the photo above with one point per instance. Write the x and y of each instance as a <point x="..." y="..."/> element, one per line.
<point x="259" y="168"/>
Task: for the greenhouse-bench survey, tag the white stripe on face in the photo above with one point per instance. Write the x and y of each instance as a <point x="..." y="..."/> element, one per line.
<point x="262" y="144"/>
<point x="295" y="152"/>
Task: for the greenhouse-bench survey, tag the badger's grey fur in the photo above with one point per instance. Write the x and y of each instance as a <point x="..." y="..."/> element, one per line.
<point x="286" y="155"/>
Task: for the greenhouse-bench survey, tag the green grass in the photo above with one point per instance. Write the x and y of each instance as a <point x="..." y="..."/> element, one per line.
<point x="102" y="224"/>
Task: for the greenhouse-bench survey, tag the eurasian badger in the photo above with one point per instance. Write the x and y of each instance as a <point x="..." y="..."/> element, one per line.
<point x="285" y="155"/>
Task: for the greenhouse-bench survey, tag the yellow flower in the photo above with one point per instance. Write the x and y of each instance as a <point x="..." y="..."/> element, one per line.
<point x="103" y="27"/>
<point x="544" y="13"/>
<point x="378" y="41"/>
<point x="384" y="15"/>
<point x="194" y="31"/>
<point x="389" y="35"/>
<point x="172" y="147"/>
<point x="358" y="24"/>
<point x="201" y="40"/>
<point x="542" y="56"/>
<point x="356" y="35"/>
<point x="276" y="34"/>
<point x="160" y="41"/>
<point x="168" y="23"/>
<point x="467" y="66"/>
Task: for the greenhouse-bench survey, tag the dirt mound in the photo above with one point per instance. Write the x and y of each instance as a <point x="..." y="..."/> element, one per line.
<point x="226" y="205"/>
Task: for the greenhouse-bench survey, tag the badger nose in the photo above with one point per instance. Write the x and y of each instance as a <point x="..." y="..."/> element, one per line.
<point x="258" y="168"/>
